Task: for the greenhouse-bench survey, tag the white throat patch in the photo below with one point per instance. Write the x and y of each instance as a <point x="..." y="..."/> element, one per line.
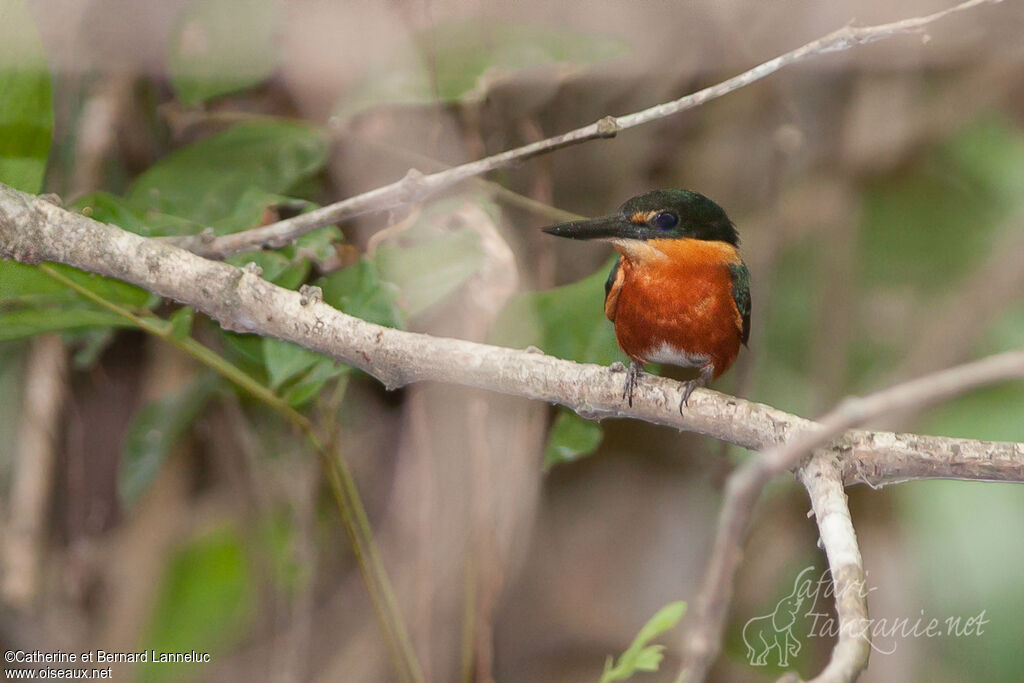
<point x="638" y="251"/>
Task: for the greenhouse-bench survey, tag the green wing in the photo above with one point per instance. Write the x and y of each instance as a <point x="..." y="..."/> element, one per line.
<point x="611" y="291"/>
<point x="611" y="279"/>
<point x="741" y="295"/>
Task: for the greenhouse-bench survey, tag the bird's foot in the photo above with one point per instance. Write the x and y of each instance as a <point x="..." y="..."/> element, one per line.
<point x="700" y="381"/>
<point x="636" y="368"/>
<point x="617" y="366"/>
<point x="689" y="386"/>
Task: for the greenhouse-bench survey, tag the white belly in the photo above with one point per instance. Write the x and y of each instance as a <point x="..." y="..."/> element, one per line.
<point x="666" y="353"/>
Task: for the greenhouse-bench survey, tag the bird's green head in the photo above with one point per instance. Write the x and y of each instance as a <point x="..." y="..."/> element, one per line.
<point x="660" y="214"/>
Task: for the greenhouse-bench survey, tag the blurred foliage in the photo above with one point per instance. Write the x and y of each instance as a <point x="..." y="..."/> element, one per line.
<point x="785" y="344"/>
<point x="109" y="208"/>
<point x="26" y="100"/>
<point x="962" y="564"/>
<point x="28" y="286"/>
<point x="988" y="413"/>
<point x="205" y="603"/>
<point x="929" y="226"/>
<point x="276" y="538"/>
<point x="29" y="323"/>
<point x="11" y="355"/>
<point x="923" y="229"/>
<point x="465" y="62"/>
<point x="216" y="49"/>
<point x="928" y="230"/>
<point x="156" y="428"/>
<point x="433" y="270"/>
<point x="571" y="437"/>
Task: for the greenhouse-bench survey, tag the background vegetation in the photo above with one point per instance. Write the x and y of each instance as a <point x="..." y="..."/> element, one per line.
<point x="879" y="193"/>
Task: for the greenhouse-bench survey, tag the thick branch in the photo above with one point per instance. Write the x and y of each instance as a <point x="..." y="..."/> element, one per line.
<point x="849" y="657"/>
<point x="33" y="230"/>
<point x="416" y="186"/>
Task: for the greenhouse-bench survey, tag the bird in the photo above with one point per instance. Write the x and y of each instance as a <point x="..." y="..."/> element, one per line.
<point x="679" y="292"/>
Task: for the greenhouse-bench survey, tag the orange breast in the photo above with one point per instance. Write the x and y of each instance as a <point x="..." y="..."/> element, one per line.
<point x="674" y="303"/>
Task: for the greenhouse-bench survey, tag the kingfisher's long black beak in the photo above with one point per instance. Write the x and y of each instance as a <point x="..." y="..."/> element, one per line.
<point x="605" y="227"/>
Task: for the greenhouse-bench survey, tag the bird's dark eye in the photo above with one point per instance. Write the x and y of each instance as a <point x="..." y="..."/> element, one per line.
<point x="666" y="220"/>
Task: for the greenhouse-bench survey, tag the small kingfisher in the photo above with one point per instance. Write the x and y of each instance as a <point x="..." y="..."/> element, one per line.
<point x="679" y="293"/>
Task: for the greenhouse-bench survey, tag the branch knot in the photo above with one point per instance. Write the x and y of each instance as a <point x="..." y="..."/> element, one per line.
<point x="310" y="294"/>
<point x="608" y="127"/>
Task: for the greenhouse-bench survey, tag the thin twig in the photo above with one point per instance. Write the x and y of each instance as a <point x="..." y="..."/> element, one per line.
<point x="499" y="191"/>
<point x="703" y="637"/>
<point x="416" y="186"/>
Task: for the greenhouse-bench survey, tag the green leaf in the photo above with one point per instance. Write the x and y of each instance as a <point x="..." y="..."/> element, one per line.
<point x="181" y="322"/>
<point x="247" y="211"/>
<point x="206" y="181"/>
<point x="24" y="284"/>
<point x="108" y="208"/>
<point x="312" y="383"/>
<point x="663" y="620"/>
<point x="246" y="350"/>
<point x="571" y="438"/>
<point x="155" y="430"/>
<point x="216" y="49"/>
<point x="250" y="210"/>
<point x="205" y="603"/>
<point x="36" y="303"/>
<point x="319" y="244"/>
<point x="301" y="373"/>
<point x="26" y="100"/>
<point x="649" y="658"/>
<point x="285" y="360"/>
<point x="34" y="321"/>
<point x="640" y="656"/>
<point x="359" y="291"/>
